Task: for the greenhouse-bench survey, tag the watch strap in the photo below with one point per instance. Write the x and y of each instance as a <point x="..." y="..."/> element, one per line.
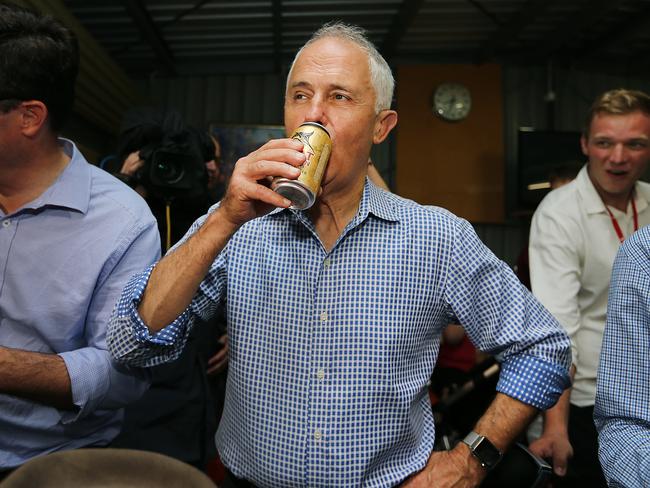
<point x="481" y="447"/>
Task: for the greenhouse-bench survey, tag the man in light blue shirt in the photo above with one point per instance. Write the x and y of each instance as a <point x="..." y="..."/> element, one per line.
<point x="335" y="313"/>
<point x="70" y="237"/>
<point x="622" y="410"/>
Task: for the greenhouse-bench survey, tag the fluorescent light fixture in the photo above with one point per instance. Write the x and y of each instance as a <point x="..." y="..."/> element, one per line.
<point x="542" y="185"/>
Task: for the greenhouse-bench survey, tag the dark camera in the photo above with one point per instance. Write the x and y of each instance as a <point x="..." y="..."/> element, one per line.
<point x="175" y="168"/>
<point x="173" y="153"/>
<point x="170" y="170"/>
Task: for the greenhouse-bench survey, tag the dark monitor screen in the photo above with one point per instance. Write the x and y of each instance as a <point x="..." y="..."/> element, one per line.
<point x="539" y="153"/>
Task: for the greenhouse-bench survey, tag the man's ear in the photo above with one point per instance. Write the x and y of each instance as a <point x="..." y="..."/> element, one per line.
<point x="33" y="115"/>
<point x="386" y="120"/>
<point x="584" y="145"/>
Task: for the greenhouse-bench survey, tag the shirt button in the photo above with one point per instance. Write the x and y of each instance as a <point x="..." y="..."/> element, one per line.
<point x="6" y="223"/>
<point x="323" y="316"/>
<point x="320" y="374"/>
<point x="326" y="263"/>
<point x="318" y="435"/>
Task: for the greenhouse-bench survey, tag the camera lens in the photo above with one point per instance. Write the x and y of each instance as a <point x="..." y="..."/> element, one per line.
<point x="169" y="171"/>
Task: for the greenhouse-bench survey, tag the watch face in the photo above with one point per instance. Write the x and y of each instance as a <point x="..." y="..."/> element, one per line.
<point x="487" y="453"/>
<point x="452" y="101"/>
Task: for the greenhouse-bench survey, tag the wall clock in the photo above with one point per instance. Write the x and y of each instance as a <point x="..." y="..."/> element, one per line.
<point x="452" y="101"/>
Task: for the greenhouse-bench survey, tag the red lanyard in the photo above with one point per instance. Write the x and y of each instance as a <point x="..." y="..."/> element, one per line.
<point x="617" y="228"/>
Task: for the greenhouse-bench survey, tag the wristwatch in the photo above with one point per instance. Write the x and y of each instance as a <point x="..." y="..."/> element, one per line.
<point x="483" y="449"/>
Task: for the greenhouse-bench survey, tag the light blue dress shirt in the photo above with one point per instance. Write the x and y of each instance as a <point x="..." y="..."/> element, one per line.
<point x="622" y="411"/>
<point x="64" y="259"/>
<point x="331" y="352"/>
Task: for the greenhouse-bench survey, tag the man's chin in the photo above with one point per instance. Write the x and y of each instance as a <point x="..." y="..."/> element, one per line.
<point x="619" y="189"/>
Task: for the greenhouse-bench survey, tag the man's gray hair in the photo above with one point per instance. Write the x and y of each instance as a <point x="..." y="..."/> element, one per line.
<point x="381" y="76"/>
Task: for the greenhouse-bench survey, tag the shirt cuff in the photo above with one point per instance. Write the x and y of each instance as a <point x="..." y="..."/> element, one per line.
<point x="129" y="339"/>
<point x="89" y="371"/>
<point x="168" y="335"/>
<point x="533" y="381"/>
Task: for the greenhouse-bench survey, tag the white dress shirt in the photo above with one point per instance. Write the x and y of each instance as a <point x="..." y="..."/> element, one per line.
<point x="573" y="244"/>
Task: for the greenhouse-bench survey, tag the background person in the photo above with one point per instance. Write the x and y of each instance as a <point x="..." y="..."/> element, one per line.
<point x="167" y="163"/>
<point x="622" y="410"/>
<point x="335" y="313"/>
<point x="575" y="235"/>
<point x="558" y="176"/>
<point x="179" y="414"/>
<point x="70" y="237"/>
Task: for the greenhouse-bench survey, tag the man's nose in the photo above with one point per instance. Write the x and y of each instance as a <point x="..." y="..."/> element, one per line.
<point x="317" y="111"/>
<point x="618" y="154"/>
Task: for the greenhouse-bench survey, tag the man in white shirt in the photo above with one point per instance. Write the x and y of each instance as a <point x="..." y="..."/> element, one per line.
<point x="575" y="235"/>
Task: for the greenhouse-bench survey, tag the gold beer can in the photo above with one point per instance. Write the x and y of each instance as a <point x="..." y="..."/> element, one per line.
<point x="317" y="146"/>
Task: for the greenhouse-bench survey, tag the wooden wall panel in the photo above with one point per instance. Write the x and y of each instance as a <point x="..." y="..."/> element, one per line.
<point x="460" y="165"/>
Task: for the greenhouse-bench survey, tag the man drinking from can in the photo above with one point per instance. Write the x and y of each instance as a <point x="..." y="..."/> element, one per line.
<point x="335" y="313"/>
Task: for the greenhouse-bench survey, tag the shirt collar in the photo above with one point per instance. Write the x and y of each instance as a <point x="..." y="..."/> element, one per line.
<point x="72" y="187"/>
<point x="377" y="202"/>
<point x="593" y="203"/>
<point x="374" y="201"/>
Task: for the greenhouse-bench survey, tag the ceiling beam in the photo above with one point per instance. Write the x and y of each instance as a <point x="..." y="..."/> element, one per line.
<point x="184" y="13"/>
<point x="402" y="20"/>
<point x="138" y="12"/>
<point x="277" y="36"/>
<point x="512" y="28"/>
<point x="481" y="8"/>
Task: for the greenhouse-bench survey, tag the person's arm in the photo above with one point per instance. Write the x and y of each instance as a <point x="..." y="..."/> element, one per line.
<point x="176" y="278"/>
<point x="172" y="284"/>
<point x="42" y="378"/>
<point x="503" y="421"/>
<point x="130" y="167"/>
<point x="622" y="410"/>
<point x="219" y="360"/>
<point x="81" y="380"/>
<point x="555" y="280"/>
<point x="554" y="442"/>
<point x="97" y="381"/>
<point x="501" y="317"/>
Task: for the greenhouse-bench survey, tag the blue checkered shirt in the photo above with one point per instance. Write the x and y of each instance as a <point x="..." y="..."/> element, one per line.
<point x="331" y="352"/>
<point x="622" y="410"/>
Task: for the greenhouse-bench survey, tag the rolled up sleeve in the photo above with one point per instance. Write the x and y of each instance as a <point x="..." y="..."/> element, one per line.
<point x="129" y="339"/>
<point x="503" y="318"/>
<point x="97" y="381"/>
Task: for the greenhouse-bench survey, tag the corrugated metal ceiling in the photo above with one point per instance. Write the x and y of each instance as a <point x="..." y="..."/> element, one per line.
<point x="176" y="37"/>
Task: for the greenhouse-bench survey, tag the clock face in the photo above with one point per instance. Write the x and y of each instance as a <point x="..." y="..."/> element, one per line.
<point x="452" y="101"/>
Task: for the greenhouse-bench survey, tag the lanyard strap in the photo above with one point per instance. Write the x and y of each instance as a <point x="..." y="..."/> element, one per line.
<point x="617" y="228"/>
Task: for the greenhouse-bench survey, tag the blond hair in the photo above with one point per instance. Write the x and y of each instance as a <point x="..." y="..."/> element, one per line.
<point x="617" y="102"/>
